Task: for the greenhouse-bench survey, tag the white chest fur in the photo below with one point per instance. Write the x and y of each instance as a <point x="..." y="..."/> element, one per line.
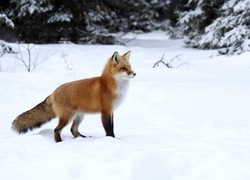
<point x="122" y="87"/>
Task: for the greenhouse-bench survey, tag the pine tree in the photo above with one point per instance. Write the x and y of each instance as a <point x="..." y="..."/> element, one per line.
<point x="29" y="17"/>
<point x="230" y="33"/>
<point x="88" y="21"/>
<point x="222" y="25"/>
<point x="5" y="21"/>
<point x="200" y="14"/>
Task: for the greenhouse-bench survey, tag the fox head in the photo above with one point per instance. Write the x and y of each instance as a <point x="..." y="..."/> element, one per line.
<point x="121" y="68"/>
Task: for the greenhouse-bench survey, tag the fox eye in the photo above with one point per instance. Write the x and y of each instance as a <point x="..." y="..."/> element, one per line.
<point x="123" y="69"/>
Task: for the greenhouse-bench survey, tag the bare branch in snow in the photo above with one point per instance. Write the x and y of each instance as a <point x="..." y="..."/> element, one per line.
<point x="168" y="64"/>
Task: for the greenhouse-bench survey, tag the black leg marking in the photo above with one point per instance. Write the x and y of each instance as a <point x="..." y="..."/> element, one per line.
<point x="57" y="136"/>
<point x="108" y="124"/>
<point x="59" y="129"/>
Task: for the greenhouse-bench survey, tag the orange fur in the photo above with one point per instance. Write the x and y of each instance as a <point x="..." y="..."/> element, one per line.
<point x="71" y="101"/>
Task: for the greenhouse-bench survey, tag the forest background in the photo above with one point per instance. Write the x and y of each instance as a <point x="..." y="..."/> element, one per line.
<point x="203" y="24"/>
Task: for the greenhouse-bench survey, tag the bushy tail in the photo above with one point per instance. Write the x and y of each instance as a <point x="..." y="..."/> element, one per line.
<point x="34" y="118"/>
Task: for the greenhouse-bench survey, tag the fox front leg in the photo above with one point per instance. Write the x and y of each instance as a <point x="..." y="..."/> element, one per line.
<point x="108" y="124"/>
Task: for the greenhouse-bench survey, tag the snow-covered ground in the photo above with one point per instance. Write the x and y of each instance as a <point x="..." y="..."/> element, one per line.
<point x="189" y="123"/>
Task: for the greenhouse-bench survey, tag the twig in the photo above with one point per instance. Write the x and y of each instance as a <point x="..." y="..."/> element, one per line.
<point x="160" y="61"/>
<point x="69" y="65"/>
<point x="128" y="40"/>
<point x="33" y="59"/>
<point x="174" y="59"/>
<point x="167" y="64"/>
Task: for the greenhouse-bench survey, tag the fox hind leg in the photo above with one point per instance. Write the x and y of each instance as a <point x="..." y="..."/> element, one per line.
<point x="75" y="125"/>
<point x="57" y="132"/>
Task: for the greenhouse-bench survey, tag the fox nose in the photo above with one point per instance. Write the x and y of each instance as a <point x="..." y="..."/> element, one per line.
<point x="134" y="74"/>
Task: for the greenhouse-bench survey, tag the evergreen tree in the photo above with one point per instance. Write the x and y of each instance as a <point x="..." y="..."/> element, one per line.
<point x="200" y="14"/>
<point x="5" y="21"/>
<point x="230" y="33"/>
<point x="29" y="17"/>
<point x="222" y="25"/>
<point x="48" y="21"/>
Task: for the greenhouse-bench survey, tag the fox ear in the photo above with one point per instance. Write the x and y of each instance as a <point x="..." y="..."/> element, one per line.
<point x="127" y="55"/>
<point x="116" y="57"/>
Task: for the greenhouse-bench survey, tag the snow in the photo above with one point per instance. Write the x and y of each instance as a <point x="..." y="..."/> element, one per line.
<point x="180" y="124"/>
<point x="31" y="6"/>
<point x="5" y="20"/>
<point x="60" y="17"/>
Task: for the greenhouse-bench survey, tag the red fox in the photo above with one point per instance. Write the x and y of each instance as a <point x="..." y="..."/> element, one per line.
<point x="71" y="101"/>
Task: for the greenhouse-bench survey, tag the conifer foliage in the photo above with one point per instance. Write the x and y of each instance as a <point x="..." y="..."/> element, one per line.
<point x="204" y="24"/>
<point x="49" y="21"/>
<point x="222" y="25"/>
<point x="5" y="21"/>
